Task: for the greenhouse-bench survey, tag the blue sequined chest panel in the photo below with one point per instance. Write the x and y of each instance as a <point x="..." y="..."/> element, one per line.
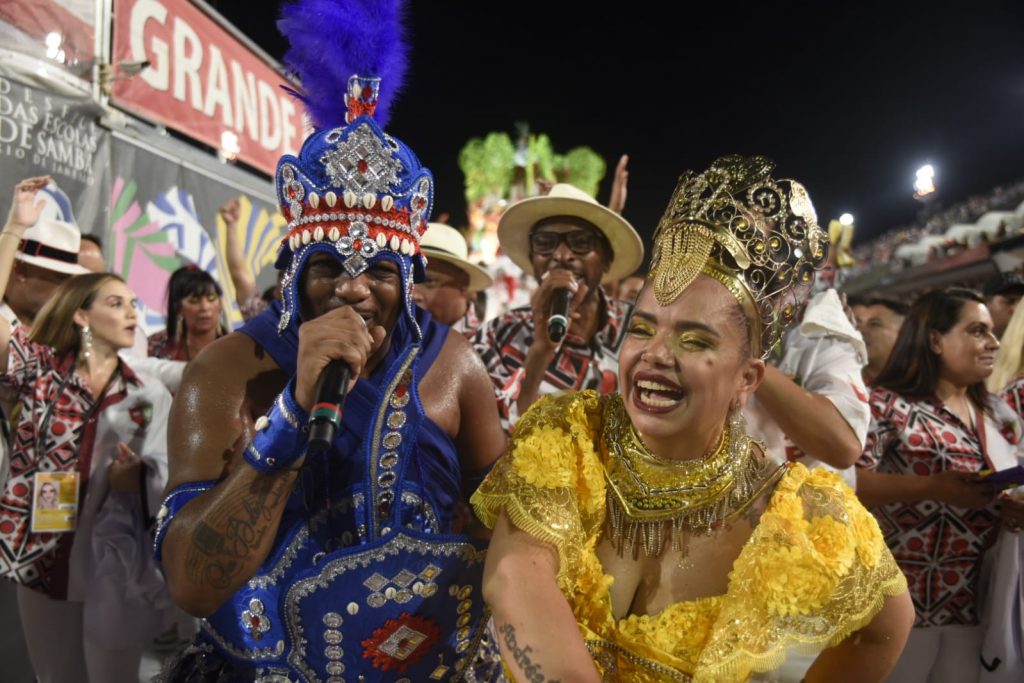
<point x="363" y="582"/>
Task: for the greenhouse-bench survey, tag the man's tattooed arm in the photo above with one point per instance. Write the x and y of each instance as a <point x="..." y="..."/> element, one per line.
<point x="230" y="540"/>
<point x="520" y="654"/>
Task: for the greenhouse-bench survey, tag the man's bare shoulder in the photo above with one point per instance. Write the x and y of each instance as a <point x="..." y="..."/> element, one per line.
<point x="458" y="358"/>
<point x="235" y="354"/>
<point x="231" y="382"/>
<point x="448" y="383"/>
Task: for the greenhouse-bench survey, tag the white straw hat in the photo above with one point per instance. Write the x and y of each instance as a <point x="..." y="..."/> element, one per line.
<point x="567" y="200"/>
<point x="444" y="243"/>
<point x="53" y="241"/>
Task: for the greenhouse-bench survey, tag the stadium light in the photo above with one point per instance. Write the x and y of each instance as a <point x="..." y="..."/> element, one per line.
<point x="924" y="183"/>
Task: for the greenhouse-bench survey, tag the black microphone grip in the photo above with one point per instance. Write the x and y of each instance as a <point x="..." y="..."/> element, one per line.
<point x="558" y="321"/>
<point x="325" y="417"/>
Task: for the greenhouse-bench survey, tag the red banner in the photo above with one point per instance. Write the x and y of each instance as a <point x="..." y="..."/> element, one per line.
<point x="203" y="82"/>
<point x="60" y="30"/>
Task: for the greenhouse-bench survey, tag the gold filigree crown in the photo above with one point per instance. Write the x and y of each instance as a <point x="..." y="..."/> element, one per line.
<point x="756" y="235"/>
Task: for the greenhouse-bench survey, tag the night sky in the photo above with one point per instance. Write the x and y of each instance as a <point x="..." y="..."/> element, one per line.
<point x="849" y="98"/>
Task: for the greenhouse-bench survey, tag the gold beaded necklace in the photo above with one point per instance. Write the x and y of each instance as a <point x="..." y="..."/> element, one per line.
<point x="651" y="497"/>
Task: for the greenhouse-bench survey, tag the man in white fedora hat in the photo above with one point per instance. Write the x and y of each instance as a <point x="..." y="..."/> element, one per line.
<point x="48" y="249"/>
<point x="568" y="241"/>
<point x="451" y="278"/>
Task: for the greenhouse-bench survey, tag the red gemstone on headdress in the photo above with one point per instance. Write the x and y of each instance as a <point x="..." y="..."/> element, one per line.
<point x="362" y="166"/>
<point x="291" y="192"/>
<point x="420" y="202"/>
<point x="367" y="93"/>
<point x="357" y="245"/>
<point x="400" y="391"/>
<point x="255" y="621"/>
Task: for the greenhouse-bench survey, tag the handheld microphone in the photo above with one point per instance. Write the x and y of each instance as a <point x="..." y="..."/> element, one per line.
<point x="558" y="321"/>
<point x="325" y="418"/>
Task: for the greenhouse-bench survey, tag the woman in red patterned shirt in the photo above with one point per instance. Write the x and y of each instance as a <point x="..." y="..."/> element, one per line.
<point x="194" y="306"/>
<point x="83" y="417"/>
<point x="91" y="430"/>
<point x="934" y="427"/>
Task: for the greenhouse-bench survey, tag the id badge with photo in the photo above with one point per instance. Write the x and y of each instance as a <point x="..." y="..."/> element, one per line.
<point x="54" y="502"/>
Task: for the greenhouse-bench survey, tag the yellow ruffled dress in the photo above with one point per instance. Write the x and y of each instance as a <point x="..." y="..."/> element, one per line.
<point x="814" y="570"/>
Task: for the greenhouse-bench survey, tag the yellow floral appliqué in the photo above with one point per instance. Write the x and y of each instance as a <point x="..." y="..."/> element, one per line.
<point x="814" y="570"/>
<point x="543" y="457"/>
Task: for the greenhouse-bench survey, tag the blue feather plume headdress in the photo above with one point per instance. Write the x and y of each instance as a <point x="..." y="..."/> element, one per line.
<point x="353" y="191"/>
<point x="331" y="40"/>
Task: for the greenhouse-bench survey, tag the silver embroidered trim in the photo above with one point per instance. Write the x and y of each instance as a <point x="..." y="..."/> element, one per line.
<point x="355" y="501"/>
<point x="285" y="561"/>
<point x="362" y="145"/>
<point x="403" y="376"/>
<point x="411" y="499"/>
<point x="288" y="416"/>
<point x="400" y="544"/>
<point x="248" y="655"/>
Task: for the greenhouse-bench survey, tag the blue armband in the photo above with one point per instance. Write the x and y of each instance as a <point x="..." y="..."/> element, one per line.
<point x="281" y="435"/>
<point x="174" y="501"/>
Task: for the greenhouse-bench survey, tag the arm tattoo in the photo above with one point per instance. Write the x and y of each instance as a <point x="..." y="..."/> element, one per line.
<point x="222" y="545"/>
<point x="521" y="655"/>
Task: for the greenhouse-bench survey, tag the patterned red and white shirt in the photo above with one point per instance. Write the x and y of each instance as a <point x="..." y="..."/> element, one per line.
<point x="468" y="324"/>
<point x="49" y="389"/>
<point x="162" y="346"/>
<point x="504" y="341"/>
<point x="939" y="547"/>
<point x="1013" y="394"/>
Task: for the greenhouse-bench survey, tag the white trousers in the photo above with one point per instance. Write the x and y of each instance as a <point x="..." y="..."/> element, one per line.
<point x="60" y="651"/>
<point x="940" y="654"/>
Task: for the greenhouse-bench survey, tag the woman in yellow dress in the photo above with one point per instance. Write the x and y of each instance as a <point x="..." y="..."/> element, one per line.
<point x="645" y="537"/>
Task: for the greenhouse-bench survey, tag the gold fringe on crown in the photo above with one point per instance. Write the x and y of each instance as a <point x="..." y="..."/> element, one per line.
<point x="756" y="235"/>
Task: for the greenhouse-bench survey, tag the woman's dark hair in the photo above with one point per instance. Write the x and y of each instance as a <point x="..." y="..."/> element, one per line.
<point x="913" y="367"/>
<point x="185" y="282"/>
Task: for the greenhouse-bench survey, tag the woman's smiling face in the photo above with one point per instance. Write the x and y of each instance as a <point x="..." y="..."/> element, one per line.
<point x="684" y="366"/>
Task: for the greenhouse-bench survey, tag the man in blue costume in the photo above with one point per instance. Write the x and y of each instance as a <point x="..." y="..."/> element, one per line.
<point x="336" y="565"/>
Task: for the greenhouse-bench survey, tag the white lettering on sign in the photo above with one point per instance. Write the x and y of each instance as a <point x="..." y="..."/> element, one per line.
<point x="270" y="117"/>
<point x="204" y="77"/>
<point x="158" y="75"/>
<point x="52" y="135"/>
<point x="246" y="115"/>
<point x="187" y="61"/>
<point x="217" y="88"/>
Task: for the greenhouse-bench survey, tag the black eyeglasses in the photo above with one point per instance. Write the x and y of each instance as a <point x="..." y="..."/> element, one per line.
<point x="545" y="242"/>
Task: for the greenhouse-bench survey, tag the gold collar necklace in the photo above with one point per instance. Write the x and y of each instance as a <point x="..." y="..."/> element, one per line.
<point x="650" y="496"/>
